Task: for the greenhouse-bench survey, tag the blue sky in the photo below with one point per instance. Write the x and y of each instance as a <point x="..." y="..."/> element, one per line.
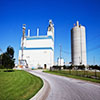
<point x="64" y="13"/>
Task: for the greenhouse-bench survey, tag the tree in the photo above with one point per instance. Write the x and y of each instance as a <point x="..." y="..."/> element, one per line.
<point x="70" y="67"/>
<point x="10" y="52"/>
<point x="8" y="58"/>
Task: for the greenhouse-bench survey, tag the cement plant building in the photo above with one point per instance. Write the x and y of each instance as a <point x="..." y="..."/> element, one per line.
<point x="39" y="50"/>
<point x="78" y="45"/>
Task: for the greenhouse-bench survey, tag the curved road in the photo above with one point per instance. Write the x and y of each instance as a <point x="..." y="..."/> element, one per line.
<point x="63" y="88"/>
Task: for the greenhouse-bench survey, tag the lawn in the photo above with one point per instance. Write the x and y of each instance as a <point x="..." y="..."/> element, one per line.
<point x="18" y="85"/>
<point x="76" y="75"/>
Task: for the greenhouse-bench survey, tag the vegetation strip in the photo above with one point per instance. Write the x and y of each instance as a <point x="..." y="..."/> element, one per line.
<point x="18" y="85"/>
<point x="43" y="93"/>
<point x="65" y="73"/>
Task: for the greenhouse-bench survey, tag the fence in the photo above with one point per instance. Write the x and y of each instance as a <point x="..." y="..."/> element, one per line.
<point x="95" y="74"/>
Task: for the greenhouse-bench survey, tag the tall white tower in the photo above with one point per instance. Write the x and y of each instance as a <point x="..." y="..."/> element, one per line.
<point x="78" y="45"/>
<point x="50" y="31"/>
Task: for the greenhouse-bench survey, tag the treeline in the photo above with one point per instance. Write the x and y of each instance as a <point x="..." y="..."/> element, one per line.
<point x="7" y="59"/>
<point x="82" y="67"/>
<point x="94" y="67"/>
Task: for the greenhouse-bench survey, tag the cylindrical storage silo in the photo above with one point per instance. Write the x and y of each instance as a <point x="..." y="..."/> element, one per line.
<point x="75" y="45"/>
<point x="83" y="45"/>
<point x="78" y="45"/>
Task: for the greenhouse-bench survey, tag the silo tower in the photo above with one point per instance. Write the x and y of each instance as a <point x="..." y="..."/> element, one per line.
<point x="78" y="45"/>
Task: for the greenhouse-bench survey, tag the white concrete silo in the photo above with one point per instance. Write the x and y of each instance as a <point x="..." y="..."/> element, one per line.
<point x="83" y="45"/>
<point x="78" y="45"/>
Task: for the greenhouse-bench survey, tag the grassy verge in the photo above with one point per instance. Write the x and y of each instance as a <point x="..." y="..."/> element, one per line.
<point x="63" y="73"/>
<point x="18" y="85"/>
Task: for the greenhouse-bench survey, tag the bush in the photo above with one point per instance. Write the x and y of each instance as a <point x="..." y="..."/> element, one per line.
<point x="94" y="67"/>
<point x="70" y="67"/>
<point x="55" y="68"/>
<point x="64" y="67"/>
<point x="9" y="70"/>
<point x="82" y="67"/>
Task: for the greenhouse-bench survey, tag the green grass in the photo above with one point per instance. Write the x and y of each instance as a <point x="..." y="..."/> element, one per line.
<point x="73" y="75"/>
<point x="18" y="85"/>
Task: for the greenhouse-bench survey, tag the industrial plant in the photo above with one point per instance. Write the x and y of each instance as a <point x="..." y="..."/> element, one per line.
<point x="78" y="45"/>
<point x="37" y="51"/>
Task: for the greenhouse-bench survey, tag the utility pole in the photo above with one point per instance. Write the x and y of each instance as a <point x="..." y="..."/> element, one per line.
<point x="60" y="54"/>
<point x="94" y="60"/>
<point x="23" y="40"/>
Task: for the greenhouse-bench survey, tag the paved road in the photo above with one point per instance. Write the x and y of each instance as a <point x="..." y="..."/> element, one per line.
<point x="63" y="88"/>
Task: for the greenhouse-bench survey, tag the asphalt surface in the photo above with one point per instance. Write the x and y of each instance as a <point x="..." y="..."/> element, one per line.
<point x="62" y="88"/>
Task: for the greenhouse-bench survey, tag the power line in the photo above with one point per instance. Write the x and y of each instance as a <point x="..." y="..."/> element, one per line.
<point x="92" y="49"/>
<point x="93" y="38"/>
<point x="89" y="50"/>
